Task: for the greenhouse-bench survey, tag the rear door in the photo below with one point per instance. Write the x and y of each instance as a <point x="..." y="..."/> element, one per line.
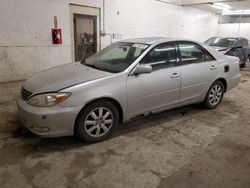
<point x="158" y="89"/>
<point x="198" y="70"/>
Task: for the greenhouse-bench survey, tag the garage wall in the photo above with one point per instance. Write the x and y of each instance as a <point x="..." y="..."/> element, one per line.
<point x="25" y="37"/>
<point x="234" y="30"/>
<point x="159" y="19"/>
<point x="25" y="32"/>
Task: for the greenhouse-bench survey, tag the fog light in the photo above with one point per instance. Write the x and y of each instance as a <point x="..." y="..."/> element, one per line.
<point x="40" y="129"/>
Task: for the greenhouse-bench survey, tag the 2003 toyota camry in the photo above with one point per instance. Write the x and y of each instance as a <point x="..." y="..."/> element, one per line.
<point x="126" y="79"/>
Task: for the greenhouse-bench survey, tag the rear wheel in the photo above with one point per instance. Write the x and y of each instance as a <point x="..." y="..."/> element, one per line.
<point x="97" y="121"/>
<point x="214" y="95"/>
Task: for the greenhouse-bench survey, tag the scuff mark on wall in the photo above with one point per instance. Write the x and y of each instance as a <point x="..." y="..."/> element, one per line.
<point x="5" y="60"/>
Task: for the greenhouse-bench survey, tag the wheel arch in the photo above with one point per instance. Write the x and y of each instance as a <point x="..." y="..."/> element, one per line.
<point x="115" y="102"/>
<point x="224" y="82"/>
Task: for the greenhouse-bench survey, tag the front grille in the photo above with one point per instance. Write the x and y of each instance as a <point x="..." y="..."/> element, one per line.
<point x="25" y="94"/>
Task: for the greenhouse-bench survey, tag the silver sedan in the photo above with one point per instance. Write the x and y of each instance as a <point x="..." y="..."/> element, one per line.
<point x="125" y="80"/>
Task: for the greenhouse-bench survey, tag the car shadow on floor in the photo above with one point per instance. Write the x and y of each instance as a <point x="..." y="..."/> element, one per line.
<point x="34" y="143"/>
<point x="156" y="119"/>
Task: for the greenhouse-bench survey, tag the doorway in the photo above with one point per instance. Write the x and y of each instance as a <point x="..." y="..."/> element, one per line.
<point x="85" y="31"/>
<point x="85" y="37"/>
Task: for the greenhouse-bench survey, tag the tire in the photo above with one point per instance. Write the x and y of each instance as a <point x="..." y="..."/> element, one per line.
<point x="243" y="65"/>
<point x="97" y="121"/>
<point x="214" y="95"/>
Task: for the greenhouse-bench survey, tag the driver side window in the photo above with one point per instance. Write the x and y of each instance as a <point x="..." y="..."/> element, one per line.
<point x="162" y="56"/>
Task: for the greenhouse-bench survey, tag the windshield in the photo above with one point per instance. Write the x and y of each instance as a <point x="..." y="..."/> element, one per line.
<point x="116" y="57"/>
<point x="220" y="42"/>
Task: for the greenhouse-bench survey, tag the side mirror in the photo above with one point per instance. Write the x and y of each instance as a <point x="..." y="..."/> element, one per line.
<point x="238" y="47"/>
<point x="143" y="69"/>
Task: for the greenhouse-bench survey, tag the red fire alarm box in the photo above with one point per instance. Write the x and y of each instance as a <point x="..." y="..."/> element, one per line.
<point x="57" y="36"/>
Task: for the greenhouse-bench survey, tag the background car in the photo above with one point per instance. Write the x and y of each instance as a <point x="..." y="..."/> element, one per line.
<point x="125" y="80"/>
<point x="238" y="47"/>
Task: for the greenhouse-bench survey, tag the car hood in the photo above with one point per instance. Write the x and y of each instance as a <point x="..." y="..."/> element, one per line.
<point x="63" y="76"/>
<point x="220" y="49"/>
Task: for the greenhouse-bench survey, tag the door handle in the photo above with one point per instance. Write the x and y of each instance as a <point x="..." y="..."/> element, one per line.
<point x="175" y="75"/>
<point x="213" y="67"/>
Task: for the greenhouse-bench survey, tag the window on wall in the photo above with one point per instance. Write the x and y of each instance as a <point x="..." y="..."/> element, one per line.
<point x="162" y="56"/>
<point x="192" y="53"/>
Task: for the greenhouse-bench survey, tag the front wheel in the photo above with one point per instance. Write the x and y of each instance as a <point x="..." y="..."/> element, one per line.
<point x="97" y="121"/>
<point x="214" y="95"/>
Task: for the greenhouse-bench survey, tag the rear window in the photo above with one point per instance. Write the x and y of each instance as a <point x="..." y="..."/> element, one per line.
<point x="193" y="53"/>
<point x="220" y="42"/>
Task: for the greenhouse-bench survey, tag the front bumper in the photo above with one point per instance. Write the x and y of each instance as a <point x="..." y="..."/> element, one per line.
<point x="52" y="121"/>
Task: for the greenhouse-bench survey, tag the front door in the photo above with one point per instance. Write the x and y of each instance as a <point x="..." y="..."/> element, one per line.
<point x="158" y="89"/>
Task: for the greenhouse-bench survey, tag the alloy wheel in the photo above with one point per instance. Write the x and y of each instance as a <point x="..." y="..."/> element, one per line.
<point x="99" y="122"/>
<point x="215" y="95"/>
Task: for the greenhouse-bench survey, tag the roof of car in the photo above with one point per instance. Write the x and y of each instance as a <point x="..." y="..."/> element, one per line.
<point x="235" y="38"/>
<point x="150" y="40"/>
<point x="158" y="40"/>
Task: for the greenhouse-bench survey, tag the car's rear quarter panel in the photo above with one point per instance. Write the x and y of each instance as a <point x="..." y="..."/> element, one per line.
<point x="233" y="75"/>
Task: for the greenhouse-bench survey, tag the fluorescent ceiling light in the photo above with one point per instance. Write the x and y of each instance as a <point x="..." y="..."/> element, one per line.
<point x="221" y="6"/>
<point x="236" y="12"/>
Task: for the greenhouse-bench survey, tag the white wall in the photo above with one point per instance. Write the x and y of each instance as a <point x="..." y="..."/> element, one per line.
<point x="155" y="18"/>
<point x="25" y="32"/>
<point x="25" y="36"/>
<point x="234" y="30"/>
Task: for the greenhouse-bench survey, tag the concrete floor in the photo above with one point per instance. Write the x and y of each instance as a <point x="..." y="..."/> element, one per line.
<point x="187" y="147"/>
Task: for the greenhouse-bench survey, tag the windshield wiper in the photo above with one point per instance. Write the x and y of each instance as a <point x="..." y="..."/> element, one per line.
<point x="90" y="65"/>
<point x="83" y="62"/>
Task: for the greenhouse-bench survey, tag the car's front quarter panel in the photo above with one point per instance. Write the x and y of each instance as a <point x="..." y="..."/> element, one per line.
<point x="113" y="87"/>
<point x="51" y="121"/>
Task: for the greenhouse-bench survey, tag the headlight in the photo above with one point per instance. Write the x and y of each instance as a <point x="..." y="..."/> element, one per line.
<point x="48" y="99"/>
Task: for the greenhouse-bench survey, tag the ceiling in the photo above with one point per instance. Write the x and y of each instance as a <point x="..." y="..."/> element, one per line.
<point x="206" y="5"/>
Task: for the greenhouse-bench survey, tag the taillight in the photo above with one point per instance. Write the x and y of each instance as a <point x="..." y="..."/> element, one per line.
<point x="238" y="62"/>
